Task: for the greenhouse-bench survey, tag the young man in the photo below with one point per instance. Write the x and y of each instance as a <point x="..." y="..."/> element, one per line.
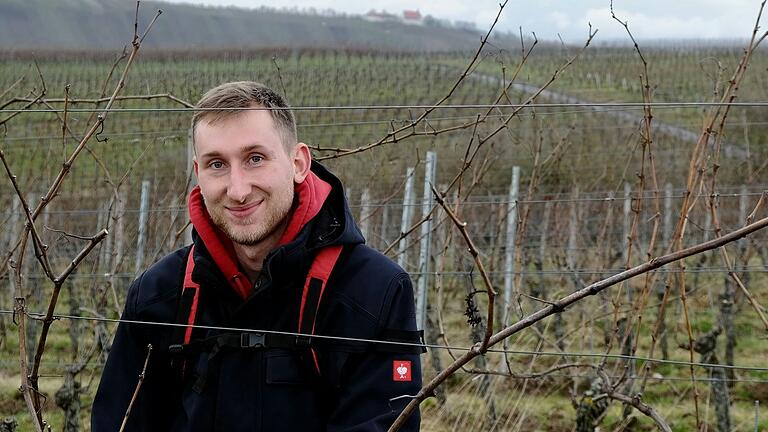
<point x="276" y="264"/>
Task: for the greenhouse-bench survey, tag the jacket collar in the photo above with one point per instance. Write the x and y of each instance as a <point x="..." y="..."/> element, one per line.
<point x="310" y="196"/>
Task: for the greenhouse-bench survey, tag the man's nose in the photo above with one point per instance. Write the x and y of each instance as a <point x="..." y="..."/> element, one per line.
<point x="239" y="187"/>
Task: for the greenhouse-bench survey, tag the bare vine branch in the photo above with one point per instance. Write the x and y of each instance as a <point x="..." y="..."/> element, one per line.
<point x="101" y="100"/>
<point x="392" y="136"/>
<point x="564" y="302"/>
<point x="462" y="226"/>
<point x="29" y="384"/>
<point x="138" y="388"/>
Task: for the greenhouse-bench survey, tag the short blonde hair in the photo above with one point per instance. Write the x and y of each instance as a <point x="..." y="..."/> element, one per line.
<point x="220" y="102"/>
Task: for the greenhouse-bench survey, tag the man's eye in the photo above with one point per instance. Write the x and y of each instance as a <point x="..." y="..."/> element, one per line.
<point x="255" y="159"/>
<point x="216" y="165"/>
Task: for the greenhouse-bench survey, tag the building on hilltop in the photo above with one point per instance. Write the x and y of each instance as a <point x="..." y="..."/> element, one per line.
<point x="382" y="16"/>
<point x="413" y="17"/>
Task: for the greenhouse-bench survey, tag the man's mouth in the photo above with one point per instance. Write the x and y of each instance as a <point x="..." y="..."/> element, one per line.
<point x="243" y="211"/>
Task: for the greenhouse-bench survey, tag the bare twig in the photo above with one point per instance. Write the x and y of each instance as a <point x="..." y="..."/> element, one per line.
<point x="67" y="165"/>
<point x="729" y="265"/>
<point x="646" y="134"/>
<point x="11" y="87"/>
<point x="105" y="86"/>
<point x="606" y="387"/>
<point x="104" y="99"/>
<point x="39" y="96"/>
<point x="93" y="241"/>
<point x="66" y="234"/>
<point x="478" y="263"/>
<point x="482" y="141"/>
<point x="279" y="76"/>
<point x="633" y="401"/>
<point x="40" y="248"/>
<point x="391" y="136"/>
<point x="30" y="382"/>
<point x="64" y="125"/>
<point x="20" y="313"/>
<point x="760" y="202"/>
<point x="750" y="298"/>
<point x="696" y="172"/>
<point x="138" y="387"/>
<point x="58" y="282"/>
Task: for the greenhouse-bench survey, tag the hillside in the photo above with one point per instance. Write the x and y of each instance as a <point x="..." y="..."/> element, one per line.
<point x="84" y="24"/>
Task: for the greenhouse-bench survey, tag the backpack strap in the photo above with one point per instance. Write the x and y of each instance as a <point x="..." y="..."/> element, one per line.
<point x="311" y="296"/>
<point x="186" y="312"/>
<point x="305" y="344"/>
<point x="392" y="342"/>
<point x="191" y="290"/>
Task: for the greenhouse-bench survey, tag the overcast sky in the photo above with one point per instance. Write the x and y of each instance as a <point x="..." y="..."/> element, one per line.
<point x="648" y="19"/>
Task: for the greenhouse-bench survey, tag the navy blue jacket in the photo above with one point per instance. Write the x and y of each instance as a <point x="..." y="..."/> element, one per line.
<point x="266" y="389"/>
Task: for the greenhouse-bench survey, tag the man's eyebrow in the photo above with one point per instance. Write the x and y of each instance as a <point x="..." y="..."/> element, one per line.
<point x="245" y="149"/>
<point x="210" y="154"/>
<point x="255" y="146"/>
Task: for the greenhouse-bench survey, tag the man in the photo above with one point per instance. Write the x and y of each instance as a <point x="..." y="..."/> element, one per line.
<point x="275" y="251"/>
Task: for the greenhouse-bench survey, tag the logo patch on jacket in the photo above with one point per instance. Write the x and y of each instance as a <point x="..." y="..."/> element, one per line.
<point x="401" y="370"/>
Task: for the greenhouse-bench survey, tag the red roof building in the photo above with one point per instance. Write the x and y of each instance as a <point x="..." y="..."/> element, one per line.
<point x="413" y="17"/>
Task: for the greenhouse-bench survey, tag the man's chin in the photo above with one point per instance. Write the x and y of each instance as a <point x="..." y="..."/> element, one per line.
<point x="246" y="233"/>
<point x="244" y="238"/>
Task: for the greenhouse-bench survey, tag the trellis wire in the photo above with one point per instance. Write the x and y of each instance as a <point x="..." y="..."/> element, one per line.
<point x="37" y="315"/>
<point x="397" y="107"/>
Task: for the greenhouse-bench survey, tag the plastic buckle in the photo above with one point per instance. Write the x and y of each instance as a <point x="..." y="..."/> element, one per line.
<point x="303" y="341"/>
<point x="251" y="340"/>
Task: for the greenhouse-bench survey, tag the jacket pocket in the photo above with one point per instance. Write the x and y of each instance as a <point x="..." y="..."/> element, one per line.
<point x="287" y="387"/>
<point x="283" y="367"/>
<point x="289" y="367"/>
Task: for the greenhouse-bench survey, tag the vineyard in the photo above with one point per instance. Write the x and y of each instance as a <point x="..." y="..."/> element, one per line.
<point x="612" y="172"/>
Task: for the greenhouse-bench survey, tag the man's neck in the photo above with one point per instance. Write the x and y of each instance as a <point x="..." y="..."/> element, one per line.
<point x="251" y="257"/>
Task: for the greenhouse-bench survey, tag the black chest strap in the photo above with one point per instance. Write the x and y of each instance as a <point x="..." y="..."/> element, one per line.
<point x="393" y="341"/>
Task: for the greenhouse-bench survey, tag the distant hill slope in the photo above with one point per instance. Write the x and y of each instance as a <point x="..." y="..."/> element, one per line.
<point x="83" y="24"/>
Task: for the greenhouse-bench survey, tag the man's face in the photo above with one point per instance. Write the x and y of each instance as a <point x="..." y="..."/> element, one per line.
<point x="247" y="176"/>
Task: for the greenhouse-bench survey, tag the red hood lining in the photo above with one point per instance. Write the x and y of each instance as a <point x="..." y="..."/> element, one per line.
<point x="311" y="194"/>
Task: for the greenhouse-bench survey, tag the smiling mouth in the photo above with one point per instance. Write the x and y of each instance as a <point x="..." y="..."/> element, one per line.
<point x="243" y="211"/>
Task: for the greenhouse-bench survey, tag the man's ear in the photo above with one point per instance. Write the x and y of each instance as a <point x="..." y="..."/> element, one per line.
<point x="194" y="165"/>
<point x="302" y="160"/>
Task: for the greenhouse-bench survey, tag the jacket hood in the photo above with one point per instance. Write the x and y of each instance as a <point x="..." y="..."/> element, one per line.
<point x="320" y="192"/>
<point x="336" y="208"/>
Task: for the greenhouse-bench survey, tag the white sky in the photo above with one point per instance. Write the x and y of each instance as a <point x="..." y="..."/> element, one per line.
<point x="648" y="19"/>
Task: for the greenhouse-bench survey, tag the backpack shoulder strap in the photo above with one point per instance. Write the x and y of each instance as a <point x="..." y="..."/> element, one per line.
<point x="186" y="312"/>
<point x="190" y="294"/>
<point x="312" y="294"/>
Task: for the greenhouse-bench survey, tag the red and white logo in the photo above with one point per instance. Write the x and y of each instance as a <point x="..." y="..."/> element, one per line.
<point x="401" y="370"/>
